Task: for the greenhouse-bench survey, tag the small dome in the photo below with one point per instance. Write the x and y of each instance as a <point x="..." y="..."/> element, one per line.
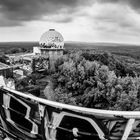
<point x="52" y="39"/>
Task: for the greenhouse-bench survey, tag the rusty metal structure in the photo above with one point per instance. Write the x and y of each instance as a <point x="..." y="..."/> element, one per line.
<point x="26" y="117"/>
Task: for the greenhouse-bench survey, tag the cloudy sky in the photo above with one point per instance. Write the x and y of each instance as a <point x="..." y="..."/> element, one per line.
<point x="77" y="20"/>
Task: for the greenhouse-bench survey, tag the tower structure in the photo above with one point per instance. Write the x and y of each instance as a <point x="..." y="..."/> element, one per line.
<point x="51" y="46"/>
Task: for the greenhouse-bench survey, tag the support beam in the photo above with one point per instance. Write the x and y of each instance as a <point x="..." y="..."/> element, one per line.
<point x="128" y="129"/>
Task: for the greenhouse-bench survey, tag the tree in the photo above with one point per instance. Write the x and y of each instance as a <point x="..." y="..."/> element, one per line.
<point x="93" y="80"/>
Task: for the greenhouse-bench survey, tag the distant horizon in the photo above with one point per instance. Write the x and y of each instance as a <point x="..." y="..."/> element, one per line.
<point x="82" y="42"/>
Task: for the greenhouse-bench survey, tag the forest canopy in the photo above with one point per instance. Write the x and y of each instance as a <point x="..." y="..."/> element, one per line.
<point x="95" y="80"/>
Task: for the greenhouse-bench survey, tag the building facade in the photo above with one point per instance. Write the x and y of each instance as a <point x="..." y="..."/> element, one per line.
<point x="6" y="70"/>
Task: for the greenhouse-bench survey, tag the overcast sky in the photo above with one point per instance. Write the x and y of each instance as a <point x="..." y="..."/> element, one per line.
<point x="77" y="20"/>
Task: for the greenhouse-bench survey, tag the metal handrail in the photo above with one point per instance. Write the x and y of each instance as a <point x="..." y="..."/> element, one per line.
<point x="98" y="112"/>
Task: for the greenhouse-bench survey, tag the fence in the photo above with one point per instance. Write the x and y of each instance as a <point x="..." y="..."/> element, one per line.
<point x="26" y="117"/>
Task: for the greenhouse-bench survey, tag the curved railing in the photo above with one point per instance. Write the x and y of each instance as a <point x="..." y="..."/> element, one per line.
<point x="25" y="116"/>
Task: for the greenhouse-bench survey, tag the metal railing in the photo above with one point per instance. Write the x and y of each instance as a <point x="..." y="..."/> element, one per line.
<point x="25" y="116"/>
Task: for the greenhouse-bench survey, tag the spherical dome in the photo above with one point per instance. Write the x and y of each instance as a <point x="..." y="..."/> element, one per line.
<point x="52" y="39"/>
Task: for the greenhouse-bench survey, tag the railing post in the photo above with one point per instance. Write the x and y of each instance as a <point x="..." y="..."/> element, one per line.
<point x="128" y="129"/>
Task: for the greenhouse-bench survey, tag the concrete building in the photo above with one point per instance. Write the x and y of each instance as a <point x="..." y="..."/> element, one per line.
<point x="51" y="46"/>
<point x="6" y="70"/>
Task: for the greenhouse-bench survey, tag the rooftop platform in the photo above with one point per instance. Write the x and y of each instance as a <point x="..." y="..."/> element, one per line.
<point x="19" y="55"/>
<point x="4" y="66"/>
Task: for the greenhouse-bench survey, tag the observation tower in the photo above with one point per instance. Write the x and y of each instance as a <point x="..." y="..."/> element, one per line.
<point x="51" y="46"/>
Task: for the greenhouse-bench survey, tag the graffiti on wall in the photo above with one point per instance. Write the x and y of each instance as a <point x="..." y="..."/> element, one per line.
<point x="28" y="117"/>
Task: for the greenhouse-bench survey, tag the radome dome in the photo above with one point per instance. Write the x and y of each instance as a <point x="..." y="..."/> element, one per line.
<point x="52" y="39"/>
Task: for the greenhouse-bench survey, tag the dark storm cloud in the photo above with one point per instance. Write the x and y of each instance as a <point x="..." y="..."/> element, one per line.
<point x="18" y="11"/>
<point x="135" y="4"/>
